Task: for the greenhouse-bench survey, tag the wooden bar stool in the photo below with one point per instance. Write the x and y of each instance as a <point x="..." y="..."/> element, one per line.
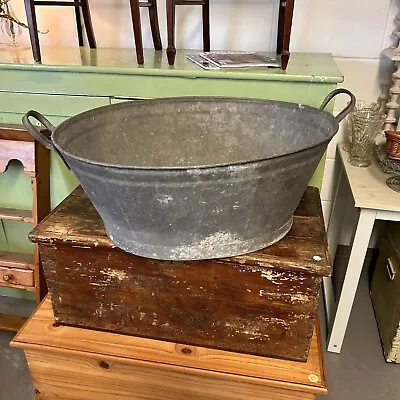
<point x="82" y="6"/>
<point x="171" y="51"/>
<point x="79" y="5"/>
<point x="137" y="26"/>
<point x="286" y="8"/>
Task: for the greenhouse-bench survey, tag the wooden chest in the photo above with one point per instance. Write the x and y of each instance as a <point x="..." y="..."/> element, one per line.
<point x="385" y="292"/>
<point x="262" y="303"/>
<point x="68" y="363"/>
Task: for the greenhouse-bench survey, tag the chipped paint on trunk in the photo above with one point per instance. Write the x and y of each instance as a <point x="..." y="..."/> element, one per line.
<point x="114" y="273"/>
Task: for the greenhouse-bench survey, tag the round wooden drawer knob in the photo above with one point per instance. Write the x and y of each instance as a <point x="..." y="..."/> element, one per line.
<point x="7" y="277"/>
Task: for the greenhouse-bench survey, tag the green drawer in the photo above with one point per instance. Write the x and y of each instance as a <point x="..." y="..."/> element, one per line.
<point x="48" y="104"/>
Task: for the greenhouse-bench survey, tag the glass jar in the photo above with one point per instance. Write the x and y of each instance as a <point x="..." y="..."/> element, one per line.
<point x="10" y="28"/>
<point x="361" y="105"/>
<point x="365" y="125"/>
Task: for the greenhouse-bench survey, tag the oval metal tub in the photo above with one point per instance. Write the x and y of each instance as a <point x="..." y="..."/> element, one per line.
<point x="194" y="178"/>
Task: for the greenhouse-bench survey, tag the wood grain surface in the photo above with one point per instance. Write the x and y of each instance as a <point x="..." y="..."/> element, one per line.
<point x="66" y="377"/>
<point x="368" y="186"/>
<point x="41" y="334"/>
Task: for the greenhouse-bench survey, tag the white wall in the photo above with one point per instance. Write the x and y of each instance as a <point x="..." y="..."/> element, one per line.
<point x="345" y="28"/>
<point x="354" y="31"/>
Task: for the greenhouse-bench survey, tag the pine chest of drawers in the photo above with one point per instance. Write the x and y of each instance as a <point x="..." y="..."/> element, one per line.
<point x="68" y="363"/>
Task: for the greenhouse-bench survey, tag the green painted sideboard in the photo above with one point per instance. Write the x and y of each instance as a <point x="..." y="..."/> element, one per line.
<point x="74" y="79"/>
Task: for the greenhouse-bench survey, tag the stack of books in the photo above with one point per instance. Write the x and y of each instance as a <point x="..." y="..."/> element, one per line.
<point x="232" y="59"/>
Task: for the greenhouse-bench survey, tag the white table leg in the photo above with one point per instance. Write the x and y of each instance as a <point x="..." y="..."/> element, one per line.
<point x="359" y="249"/>
<point x="333" y="233"/>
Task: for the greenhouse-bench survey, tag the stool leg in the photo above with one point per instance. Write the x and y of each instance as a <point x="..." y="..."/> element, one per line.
<point x="155" y="29"/>
<point x="281" y="25"/>
<point x="88" y="24"/>
<point x="171" y="51"/>
<point x="137" y="30"/>
<point x="206" y="25"/>
<point x="33" y="31"/>
<point x="79" y="25"/>
<point x="284" y="30"/>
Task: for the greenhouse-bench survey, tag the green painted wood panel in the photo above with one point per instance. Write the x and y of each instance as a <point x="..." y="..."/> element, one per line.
<point x="50" y="104"/>
<point x="303" y="67"/>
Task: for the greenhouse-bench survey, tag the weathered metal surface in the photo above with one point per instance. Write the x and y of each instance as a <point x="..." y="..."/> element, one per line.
<point x="262" y="303"/>
<point x="194" y="178"/>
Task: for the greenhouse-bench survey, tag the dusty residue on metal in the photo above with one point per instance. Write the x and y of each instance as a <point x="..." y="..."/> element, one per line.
<point x="165" y="199"/>
<point x="114" y="273"/>
<point x="212" y="243"/>
<point x="236" y="169"/>
<point x="194" y="171"/>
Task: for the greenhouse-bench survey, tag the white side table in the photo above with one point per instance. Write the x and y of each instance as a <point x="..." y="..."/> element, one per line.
<point x="375" y="201"/>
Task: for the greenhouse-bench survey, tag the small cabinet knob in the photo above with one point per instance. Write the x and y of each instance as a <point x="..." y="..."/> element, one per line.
<point x="7" y="277"/>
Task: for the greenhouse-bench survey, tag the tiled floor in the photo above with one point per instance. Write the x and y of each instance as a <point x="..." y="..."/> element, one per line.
<point x="15" y="381"/>
<point x="358" y="373"/>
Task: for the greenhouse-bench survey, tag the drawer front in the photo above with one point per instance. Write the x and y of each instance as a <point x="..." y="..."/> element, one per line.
<point x="48" y="105"/>
<point x="385" y="294"/>
<point x="63" y="376"/>
<point x="16" y="277"/>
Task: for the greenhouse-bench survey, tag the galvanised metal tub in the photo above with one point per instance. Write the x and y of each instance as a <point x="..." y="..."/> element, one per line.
<point x="194" y="178"/>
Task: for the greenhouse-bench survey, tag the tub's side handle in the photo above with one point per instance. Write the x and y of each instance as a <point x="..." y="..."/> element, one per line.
<point x="349" y="107"/>
<point x="34" y="131"/>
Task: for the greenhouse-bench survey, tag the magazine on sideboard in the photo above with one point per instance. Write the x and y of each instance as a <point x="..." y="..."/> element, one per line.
<point x="234" y="59"/>
<point x="201" y="62"/>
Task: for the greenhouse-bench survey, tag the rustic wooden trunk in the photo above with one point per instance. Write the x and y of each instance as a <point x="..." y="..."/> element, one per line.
<point x="262" y="303"/>
<point x="68" y="363"/>
<point x="385" y="293"/>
